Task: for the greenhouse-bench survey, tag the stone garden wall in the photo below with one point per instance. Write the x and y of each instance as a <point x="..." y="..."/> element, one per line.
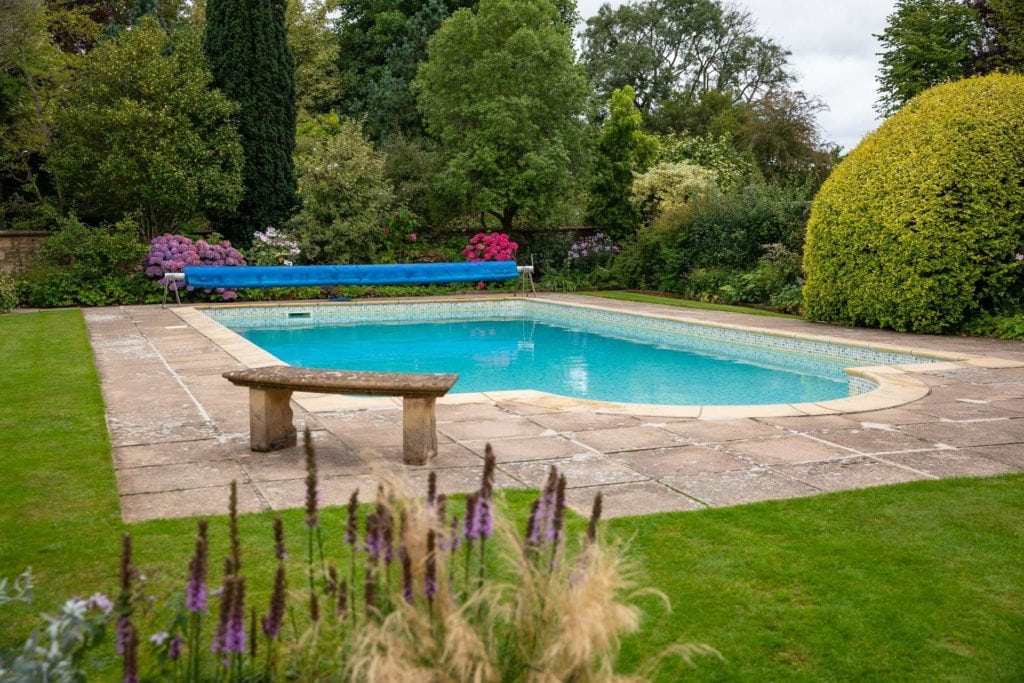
<point x="18" y="247"/>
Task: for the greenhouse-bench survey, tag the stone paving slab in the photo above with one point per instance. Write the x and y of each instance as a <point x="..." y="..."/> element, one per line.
<point x="682" y="460"/>
<point x="848" y="473"/>
<point x="628" y="500"/>
<point x="180" y="432"/>
<point x="719" y="489"/>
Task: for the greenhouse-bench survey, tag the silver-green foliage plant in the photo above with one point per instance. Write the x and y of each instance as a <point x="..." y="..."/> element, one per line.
<point x="56" y="651"/>
<point x="8" y="294"/>
<point x="342" y="189"/>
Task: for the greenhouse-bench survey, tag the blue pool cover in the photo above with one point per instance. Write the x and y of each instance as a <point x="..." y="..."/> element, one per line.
<point x="322" y="276"/>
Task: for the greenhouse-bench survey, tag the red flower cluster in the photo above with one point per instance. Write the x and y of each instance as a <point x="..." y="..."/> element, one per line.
<point x="495" y="246"/>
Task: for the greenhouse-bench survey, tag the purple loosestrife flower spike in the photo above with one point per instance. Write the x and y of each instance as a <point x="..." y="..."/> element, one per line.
<point x="195" y="589"/>
<point x="469" y="525"/>
<point x="453" y="538"/>
<point x="595" y="517"/>
<point x="490" y="462"/>
<point x="234" y="638"/>
<point x="403" y="555"/>
<point x="253" y="640"/>
<point x="236" y="544"/>
<point x="430" y="578"/>
<point x="485" y="520"/>
<point x="342" y="604"/>
<point x="534" y="523"/>
<point x="370" y="590"/>
<point x="312" y="494"/>
<point x="372" y="542"/>
<point x="388" y="538"/>
<point x="274" y="618"/>
<point x="279" y="550"/>
<point x="352" y="527"/>
<point x="314" y="608"/>
<point x="548" y="504"/>
<point x="442" y="507"/>
<point x="131" y="657"/>
<point x="556" y="531"/>
<point x="124" y="601"/>
<point x="174" y="649"/>
<point x="224" y="615"/>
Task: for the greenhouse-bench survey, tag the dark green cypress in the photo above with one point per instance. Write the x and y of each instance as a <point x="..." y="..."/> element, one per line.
<point x="252" y="64"/>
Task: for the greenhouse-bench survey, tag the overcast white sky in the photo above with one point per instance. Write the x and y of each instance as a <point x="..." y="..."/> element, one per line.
<point x="833" y="54"/>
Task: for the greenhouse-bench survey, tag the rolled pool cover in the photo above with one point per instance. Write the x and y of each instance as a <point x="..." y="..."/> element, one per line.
<point x="234" y="277"/>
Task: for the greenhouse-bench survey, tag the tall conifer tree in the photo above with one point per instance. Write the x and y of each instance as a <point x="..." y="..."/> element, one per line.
<point x="253" y="65"/>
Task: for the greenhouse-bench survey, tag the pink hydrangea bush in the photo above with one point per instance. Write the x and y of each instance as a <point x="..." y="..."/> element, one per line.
<point x="171" y="253"/>
<point x="495" y="246"/>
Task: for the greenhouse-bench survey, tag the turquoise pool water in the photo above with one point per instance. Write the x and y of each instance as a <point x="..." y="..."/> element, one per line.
<point x="495" y="354"/>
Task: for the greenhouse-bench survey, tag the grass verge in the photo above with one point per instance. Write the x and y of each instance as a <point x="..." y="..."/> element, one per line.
<point x="921" y="581"/>
<point x="669" y="300"/>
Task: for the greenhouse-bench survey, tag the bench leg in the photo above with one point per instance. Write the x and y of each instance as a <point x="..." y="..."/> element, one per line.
<point x="419" y="430"/>
<point x="270" y="420"/>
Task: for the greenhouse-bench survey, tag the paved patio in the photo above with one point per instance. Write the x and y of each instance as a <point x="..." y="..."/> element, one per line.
<point x="180" y="432"/>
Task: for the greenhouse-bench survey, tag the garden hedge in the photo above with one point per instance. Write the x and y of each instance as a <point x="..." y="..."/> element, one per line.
<point x="917" y="229"/>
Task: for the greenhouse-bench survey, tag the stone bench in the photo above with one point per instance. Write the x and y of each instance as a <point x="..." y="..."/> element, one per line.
<point x="270" y="413"/>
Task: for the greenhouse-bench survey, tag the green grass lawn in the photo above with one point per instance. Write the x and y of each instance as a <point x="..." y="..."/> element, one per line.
<point x="669" y="300"/>
<point x="921" y="581"/>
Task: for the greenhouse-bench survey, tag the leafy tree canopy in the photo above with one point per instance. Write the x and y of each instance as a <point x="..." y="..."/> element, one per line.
<point x="623" y="149"/>
<point x="314" y="44"/>
<point x="502" y="93"/>
<point x="928" y="42"/>
<point x="142" y="131"/>
<point x="662" y="47"/>
<point x="343" y="191"/>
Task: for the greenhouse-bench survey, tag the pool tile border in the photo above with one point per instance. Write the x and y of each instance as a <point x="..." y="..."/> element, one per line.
<point x="894" y="386"/>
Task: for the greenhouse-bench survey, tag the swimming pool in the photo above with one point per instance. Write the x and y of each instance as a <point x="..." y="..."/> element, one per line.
<point x="567" y="350"/>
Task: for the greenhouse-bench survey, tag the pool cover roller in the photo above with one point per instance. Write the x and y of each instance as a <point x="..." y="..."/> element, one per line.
<point x="234" y="277"/>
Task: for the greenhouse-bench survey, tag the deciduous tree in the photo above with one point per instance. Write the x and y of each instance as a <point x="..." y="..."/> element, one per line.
<point x="142" y="131"/>
<point x="661" y="47"/>
<point x="502" y="93"/>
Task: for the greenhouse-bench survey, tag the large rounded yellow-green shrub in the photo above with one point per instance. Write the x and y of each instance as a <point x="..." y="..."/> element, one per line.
<point x="919" y="226"/>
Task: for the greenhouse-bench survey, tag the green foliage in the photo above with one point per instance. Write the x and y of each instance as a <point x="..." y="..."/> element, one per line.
<point x="252" y="64"/>
<point x="663" y="47"/>
<point x="925" y="43"/>
<point x="503" y="95"/>
<point x="343" y="191"/>
<point x="670" y="192"/>
<point x="8" y="293"/>
<point x="142" y="132"/>
<point x="732" y="167"/>
<point x="85" y="266"/>
<point x="917" y="229"/>
<point x="623" y="149"/>
<point x="781" y="133"/>
<point x="381" y="44"/>
<point x="315" y="47"/>
<point x="1005" y="326"/>
<point x="34" y="74"/>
